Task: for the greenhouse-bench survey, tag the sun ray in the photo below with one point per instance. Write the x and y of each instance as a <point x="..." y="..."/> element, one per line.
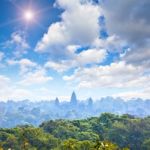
<point x="10" y="22"/>
<point x="29" y="14"/>
<point x="44" y="10"/>
<point x="17" y="6"/>
<point x="40" y="25"/>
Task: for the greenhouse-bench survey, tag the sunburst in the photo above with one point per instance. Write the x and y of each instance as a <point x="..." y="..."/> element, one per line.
<point x="29" y="15"/>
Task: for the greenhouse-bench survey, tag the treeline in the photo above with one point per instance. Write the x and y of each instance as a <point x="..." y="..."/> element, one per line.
<point x="28" y="112"/>
<point x="107" y="132"/>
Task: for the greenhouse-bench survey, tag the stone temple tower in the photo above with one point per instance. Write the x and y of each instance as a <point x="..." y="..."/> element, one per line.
<point x="73" y="100"/>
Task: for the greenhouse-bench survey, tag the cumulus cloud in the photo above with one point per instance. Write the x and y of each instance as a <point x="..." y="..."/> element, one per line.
<point x="112" y="43"/>
<point x="117" y="75"/>
<point x="30" y="72"/>
<point x="58" y="66"/>
<point x="19" y="39"/>
<point x="130" y="20"/>
<point x="75" y="28"/>
<point x="36" y="77"/>
<point x="90" y="56"/>
<point x="25" y="65"/>
<point x="17" y="44"/>
<point x="139" y="56"/>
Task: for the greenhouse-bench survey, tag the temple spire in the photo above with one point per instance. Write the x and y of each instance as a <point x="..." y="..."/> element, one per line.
<point x="73" y="99"/>
<point x="57" y="101"/>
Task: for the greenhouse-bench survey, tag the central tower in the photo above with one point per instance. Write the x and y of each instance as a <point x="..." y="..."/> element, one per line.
<point x="73" y="100"/>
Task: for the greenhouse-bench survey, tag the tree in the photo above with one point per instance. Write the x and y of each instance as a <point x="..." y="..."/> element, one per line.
<point x="105" y="146"/>
<point x="85" y="145"/>
<point x="146" y="145"/>
<point x="70" y="144"/>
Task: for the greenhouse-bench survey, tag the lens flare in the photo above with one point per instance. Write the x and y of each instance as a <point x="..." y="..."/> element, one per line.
<point x="28" y="15"/>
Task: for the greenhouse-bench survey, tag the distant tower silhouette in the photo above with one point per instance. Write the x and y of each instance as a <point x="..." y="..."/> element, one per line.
<point x="90" y="102"/>
<point x="57" y="101"/>
<point x="73" y="99"/>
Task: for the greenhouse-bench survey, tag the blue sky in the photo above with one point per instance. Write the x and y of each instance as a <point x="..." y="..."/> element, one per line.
<point x="96" y="48"/>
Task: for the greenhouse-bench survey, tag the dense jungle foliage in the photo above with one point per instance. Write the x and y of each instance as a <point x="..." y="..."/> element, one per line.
<point x="107" y="132"/>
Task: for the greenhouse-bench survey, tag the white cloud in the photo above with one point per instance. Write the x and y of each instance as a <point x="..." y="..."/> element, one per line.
<point x="24" y="64"/>
<point x="130" y="21"/>
<point x="20" y="94"/>
<point x="75" y="28"/>
<point x="30" y="72"/>
<point x="59" y="66"/>
<point x="117" y="75"/>
<point x="143" y="93"/>
<point x="8" y="89"/>
<point x="36" y="77"/>
<point x="17" y="44"/>
<point x="90" y="56"/>
<point x="11" y="90"/>
<point x="55" y="36"/>
<point x="4" y="81"/>
<point x="139" y="56"/>
<point x="112" y="43"/>
<point x="19" y="39"/>
<point x="1" y="56"/>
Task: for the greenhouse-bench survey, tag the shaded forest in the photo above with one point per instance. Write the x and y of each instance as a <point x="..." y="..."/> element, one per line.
<point x="106" y="132"/>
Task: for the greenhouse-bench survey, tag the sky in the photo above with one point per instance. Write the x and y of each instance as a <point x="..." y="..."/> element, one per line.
<point x="97" y="48"/>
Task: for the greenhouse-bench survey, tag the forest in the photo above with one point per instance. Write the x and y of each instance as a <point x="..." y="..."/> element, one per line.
<point x="14" y="113"/>
<point x="106" y="132"/>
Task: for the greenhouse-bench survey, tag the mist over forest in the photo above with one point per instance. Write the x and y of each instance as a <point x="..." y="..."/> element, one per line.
<point x="34" y="113"/>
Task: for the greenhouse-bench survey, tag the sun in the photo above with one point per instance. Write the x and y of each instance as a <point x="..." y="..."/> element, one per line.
<point x="28" y="15"/>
